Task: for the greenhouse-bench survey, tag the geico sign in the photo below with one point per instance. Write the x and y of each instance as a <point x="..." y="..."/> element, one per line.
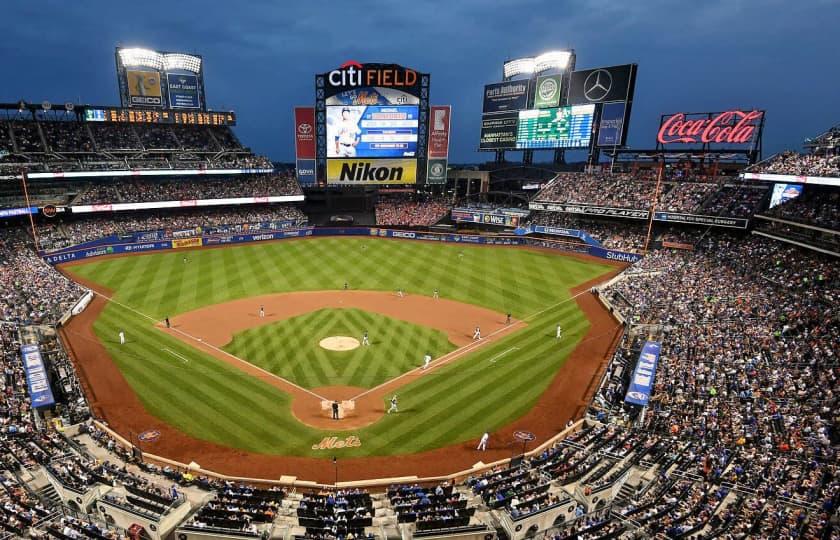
<point x="730" y="127"/>
<point x="353" y="74"/>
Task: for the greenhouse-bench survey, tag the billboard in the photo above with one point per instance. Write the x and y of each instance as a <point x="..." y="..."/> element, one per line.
<point x="506" y="96"/>
<point x="599" y="85"/>
<point x="439" y="144"/>
<point x="558" y="127"/>
<point x="183" y="91"/>
<point x="611" y="126"/>
<point x="359" y="172"/>
<point x="372" y="131"/>
<point x="783" y="193"/>
<point x="144" y="88"/>
<point x="641" y="385"/>
<point x="547" y="93"/>
<point x="732" y="128"/>
<point x="37" y="380"/>
<point x="304" y="132"/>
<point x="498" y="131"/>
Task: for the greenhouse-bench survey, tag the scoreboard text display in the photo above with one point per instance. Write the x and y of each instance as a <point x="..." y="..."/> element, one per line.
<point x="372" y="131"/>
<point x="165" y="116"/>
<point x="558" y="127"/>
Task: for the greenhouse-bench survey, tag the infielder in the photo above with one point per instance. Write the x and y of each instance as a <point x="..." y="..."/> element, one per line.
<point x="262" y="312"/>
<point x="477" y="334"/>
<point x="427" y="360"/>
<point x="482" y="444"/>
<point x="436" y="295"/>
<point x="508" y="318"/>
<point x="400" y="293"/>
<point x="393" y="407"/>
<point x="122" y="337"/>
<point x="348" y="135"/>
<point x="559" y="332"/>
<point x="365" y="340"/>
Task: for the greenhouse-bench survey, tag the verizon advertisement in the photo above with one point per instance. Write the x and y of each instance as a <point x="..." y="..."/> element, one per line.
<point x="439" y="144"/>
<point x="305" y="145"/>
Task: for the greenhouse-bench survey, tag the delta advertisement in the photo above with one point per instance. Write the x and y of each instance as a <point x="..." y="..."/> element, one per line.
<point x="183" y="91"/>
<point x="37" y="380"/>
<point x="360" y="172"/>
<point x="305" y="145"/>
<point x="641" y="385"/>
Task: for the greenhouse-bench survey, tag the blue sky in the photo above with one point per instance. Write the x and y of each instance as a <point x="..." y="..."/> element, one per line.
<point x="261" y="56"/>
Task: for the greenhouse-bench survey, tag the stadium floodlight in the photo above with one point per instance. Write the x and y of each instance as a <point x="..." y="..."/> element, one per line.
<point x="526" y="66"/>
<point x="185" y="62"/>
<point x="141" y="58"/>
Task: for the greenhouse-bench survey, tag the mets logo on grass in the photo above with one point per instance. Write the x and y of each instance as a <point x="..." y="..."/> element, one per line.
<point x="360" y="172"/>
<point x="333" y="443"/>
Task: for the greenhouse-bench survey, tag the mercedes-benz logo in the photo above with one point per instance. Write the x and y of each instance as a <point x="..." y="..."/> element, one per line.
<point x="597" y="85"/>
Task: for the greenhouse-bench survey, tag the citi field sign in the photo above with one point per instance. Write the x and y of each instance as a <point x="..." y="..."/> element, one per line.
<point x="353" y="75"/>
<point x="734" y="127"/>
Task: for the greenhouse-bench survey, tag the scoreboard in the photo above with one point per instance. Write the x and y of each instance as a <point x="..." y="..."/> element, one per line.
<point x="557" y="127"/>
<point x="372" y="131"/>
<point x="163" y="116"/>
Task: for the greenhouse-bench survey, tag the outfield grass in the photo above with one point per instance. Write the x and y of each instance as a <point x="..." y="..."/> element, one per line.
<point x="212" y="401"/>
<point x="290" y="348"/>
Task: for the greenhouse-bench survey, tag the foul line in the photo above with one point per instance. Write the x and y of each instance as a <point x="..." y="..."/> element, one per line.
<point x="449" y="357"/>
<point x="173" y="353"/>
<point x="501" y="354"/>
<point x="217" y="349"/>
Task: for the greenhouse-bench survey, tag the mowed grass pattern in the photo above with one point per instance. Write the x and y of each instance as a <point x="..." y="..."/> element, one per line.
<point x="290" y="348"/>
<point x="209" y="400"/>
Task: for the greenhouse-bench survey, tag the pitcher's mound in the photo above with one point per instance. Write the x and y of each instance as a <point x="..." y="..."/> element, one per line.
<point x="339" y="343"/>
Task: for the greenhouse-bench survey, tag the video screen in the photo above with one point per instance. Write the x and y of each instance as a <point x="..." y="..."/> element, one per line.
<point x="783" y="193"/>
<point x="557" y="127"/>
<point x="372" y="131"/>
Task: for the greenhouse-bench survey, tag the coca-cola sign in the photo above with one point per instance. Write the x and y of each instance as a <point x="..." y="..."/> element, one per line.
<point x="733" y="127"/>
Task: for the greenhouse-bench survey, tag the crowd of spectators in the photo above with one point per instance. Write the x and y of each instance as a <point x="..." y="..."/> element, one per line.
<point x="430" y="507"/>
<point x="411" y="209"/>
<point x="59" y="234"/>
<point x="131" y="191"/>
<point x="814" y="206"/>
<point x="622" y="190"/>
<point x="239" y="507"/>
<point x="628" y="235"/>
<point x="794" y="163"/>
<point x="336" y="514"/>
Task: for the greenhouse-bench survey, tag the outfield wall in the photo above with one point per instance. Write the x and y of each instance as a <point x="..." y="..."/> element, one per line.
<point x="135" y="244"/>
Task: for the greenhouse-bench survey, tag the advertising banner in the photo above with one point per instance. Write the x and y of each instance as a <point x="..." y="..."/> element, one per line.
<point x="714" y="221"/>
<point x="144" y="88"/>
<point x="782" y="193"/>
<point x="485" y="218"/>
<point x="305" y="132"/>
<point x="641" y="385"/>
<point x="498" y="131"/>
<point x="37" y="380"/>
<point x="547" y="94"/>
<point x="365" y="84"/>
<point x="12" y="212"/>
<point x="439" y="131"/>
<point x="371" y="171"/>
<point x="733" y="128"/>
<point x="119" y="207"/>
<point x="305" y="172"/>
<point x="179" y="243"/>
<point x="437" y="171"/>
<point x="183" y="91"/>
<point x="599" y="85"/>
<point x="611" y="127"/>
<point x="589" y="210"/>
<point x="506" y="96"/>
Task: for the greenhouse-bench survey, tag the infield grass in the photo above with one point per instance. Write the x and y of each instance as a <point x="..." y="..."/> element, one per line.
<point x="210" y="400"/>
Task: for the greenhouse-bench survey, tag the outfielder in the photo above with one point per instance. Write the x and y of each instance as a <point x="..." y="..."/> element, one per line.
<point x="122" y="337"/>
<point x="427" y="360"/>
<point x="436" y="295"/>
<point x="477" y="334"/>
<point x="365" y="340"/>
<point x="482" y="444"/>
<point x="393" y="407"/>
<point x="262" y="312"/>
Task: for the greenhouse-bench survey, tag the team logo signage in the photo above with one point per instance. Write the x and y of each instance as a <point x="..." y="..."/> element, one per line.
<point x="371" y="171"/>
<point x="548" y="91"/>
<point x="734" y="127"/>
<point x="333" y="443"/>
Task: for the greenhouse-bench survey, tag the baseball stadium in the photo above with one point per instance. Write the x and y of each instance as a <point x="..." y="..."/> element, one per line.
<point x="574" y="339"/>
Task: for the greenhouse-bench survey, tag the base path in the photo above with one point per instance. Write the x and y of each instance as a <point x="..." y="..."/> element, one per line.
<point x="113" y="400"/>
<point x="212" y="327"/>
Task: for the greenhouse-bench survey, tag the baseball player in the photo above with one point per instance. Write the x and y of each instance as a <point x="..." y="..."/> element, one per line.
<point x="400" y="293"/>
<point x="185" y="259"/>
<point x="559" y="332"/>
<point x="168" y="324"/>
<point x="508" y="318"/>
<point x="348" y="135"/>
<point x="427" y="360"/>
<point x="365" y="340"/>
<point x="346" y="286"/>
<point x="262" y="312"/>
<point x="122" y="337"/>
<point x="393" y="407"/>
<point x="436" y="295"/>
<point x="482" y="444"/>
<point x="335" y="410"/>
<point x="477" y="334"/>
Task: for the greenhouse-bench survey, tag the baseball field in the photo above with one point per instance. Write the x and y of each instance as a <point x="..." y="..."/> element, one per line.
<point x="243" y="367"/>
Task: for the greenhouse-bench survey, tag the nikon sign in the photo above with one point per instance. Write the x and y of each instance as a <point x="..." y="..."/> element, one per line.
<point x="359" y="172"/>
